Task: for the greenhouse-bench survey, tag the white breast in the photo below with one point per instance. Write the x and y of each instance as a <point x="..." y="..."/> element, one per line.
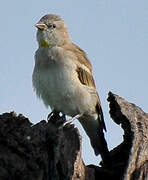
<point x="56" y="83"/>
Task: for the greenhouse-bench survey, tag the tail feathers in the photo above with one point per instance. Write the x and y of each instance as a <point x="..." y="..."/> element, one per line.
<point x="94" y="129"/>
<point x="100" y="116"/>
<point x="99" y="145"/>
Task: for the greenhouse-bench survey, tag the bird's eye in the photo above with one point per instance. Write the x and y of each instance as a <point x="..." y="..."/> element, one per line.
<point x="54" y="26"/>
<point x="51" y="26"/>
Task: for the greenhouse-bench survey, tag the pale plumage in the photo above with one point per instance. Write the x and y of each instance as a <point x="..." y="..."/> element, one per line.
<point x="63" y="79"/>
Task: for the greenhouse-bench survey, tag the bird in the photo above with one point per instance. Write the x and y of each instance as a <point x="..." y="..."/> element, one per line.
<point x="62" y="78"/>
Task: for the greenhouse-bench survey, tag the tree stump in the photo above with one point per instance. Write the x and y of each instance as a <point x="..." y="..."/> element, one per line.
<point x="135" y="125"/>
<point x="52" y="150"/>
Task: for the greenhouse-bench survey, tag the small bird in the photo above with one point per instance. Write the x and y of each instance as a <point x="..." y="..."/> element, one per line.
<point x="62" y="78"/>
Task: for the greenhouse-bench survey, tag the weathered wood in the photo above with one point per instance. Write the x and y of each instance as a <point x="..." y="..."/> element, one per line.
<point x="52" y="151"/>
<point x="135" y="124"/>
<point x="47" y="150"/>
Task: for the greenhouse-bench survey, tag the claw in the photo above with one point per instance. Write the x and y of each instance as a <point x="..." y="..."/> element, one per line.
<point x="49" y="115"/>
<point x="63" y="117"/>
<point x="72" y="119"/>
<point x="77" y="116"/>
<point x="54" y="113"/>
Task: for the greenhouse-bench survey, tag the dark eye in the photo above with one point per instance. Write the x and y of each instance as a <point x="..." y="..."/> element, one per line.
<point x="51" y="26"/>
<point x="54" y="26"/>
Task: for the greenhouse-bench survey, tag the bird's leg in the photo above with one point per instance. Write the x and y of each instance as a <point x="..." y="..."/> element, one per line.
<point x="72" y="119"/>
<point x="49" y="115"/>
<point x="54" y="113"/>
<point x="55" y="117"/>
<point x="63" y="117"/>
<point x="77" y="116"/>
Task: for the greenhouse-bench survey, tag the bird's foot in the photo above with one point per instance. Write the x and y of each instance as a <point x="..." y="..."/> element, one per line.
<point x="53" y="113"/>
<point x="55" y="116"/>
<point x="63" y="118"/>
<point x="72" y="119"/>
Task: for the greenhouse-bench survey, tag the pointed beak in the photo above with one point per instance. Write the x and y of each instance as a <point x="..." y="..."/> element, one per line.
<point x="41" y="26"/>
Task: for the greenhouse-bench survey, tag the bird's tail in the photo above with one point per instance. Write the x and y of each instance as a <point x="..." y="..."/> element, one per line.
<point x="94" y="129"/>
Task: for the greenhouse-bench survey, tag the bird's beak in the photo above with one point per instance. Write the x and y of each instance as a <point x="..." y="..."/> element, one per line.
<point x="41" y="26"/>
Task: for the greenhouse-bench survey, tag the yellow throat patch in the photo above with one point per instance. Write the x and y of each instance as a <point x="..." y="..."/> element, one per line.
<point x="45" y="43"/>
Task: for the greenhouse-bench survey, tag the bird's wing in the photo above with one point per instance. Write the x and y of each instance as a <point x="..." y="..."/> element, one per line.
<point x="84" y="70"/>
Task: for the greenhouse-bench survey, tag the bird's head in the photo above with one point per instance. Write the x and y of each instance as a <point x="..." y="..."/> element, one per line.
<point x="52" y="31"/>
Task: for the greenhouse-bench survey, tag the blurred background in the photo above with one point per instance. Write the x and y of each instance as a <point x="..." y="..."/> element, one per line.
<point x="113" y="33"/>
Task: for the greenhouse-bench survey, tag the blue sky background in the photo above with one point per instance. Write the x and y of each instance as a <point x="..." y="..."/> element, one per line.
<point x="114" y="33"/>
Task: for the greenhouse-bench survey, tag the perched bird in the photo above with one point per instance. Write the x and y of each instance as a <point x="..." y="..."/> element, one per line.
<point x="62" y="78"/>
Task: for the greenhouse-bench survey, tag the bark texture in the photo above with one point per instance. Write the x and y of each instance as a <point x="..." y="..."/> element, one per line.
<point x="52" y="150"/>
<point x="47" y="150"/>
<point x="135" y="124"/>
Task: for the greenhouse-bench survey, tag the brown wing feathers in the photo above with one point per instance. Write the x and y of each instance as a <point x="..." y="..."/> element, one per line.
<point x="86" y="78"/>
